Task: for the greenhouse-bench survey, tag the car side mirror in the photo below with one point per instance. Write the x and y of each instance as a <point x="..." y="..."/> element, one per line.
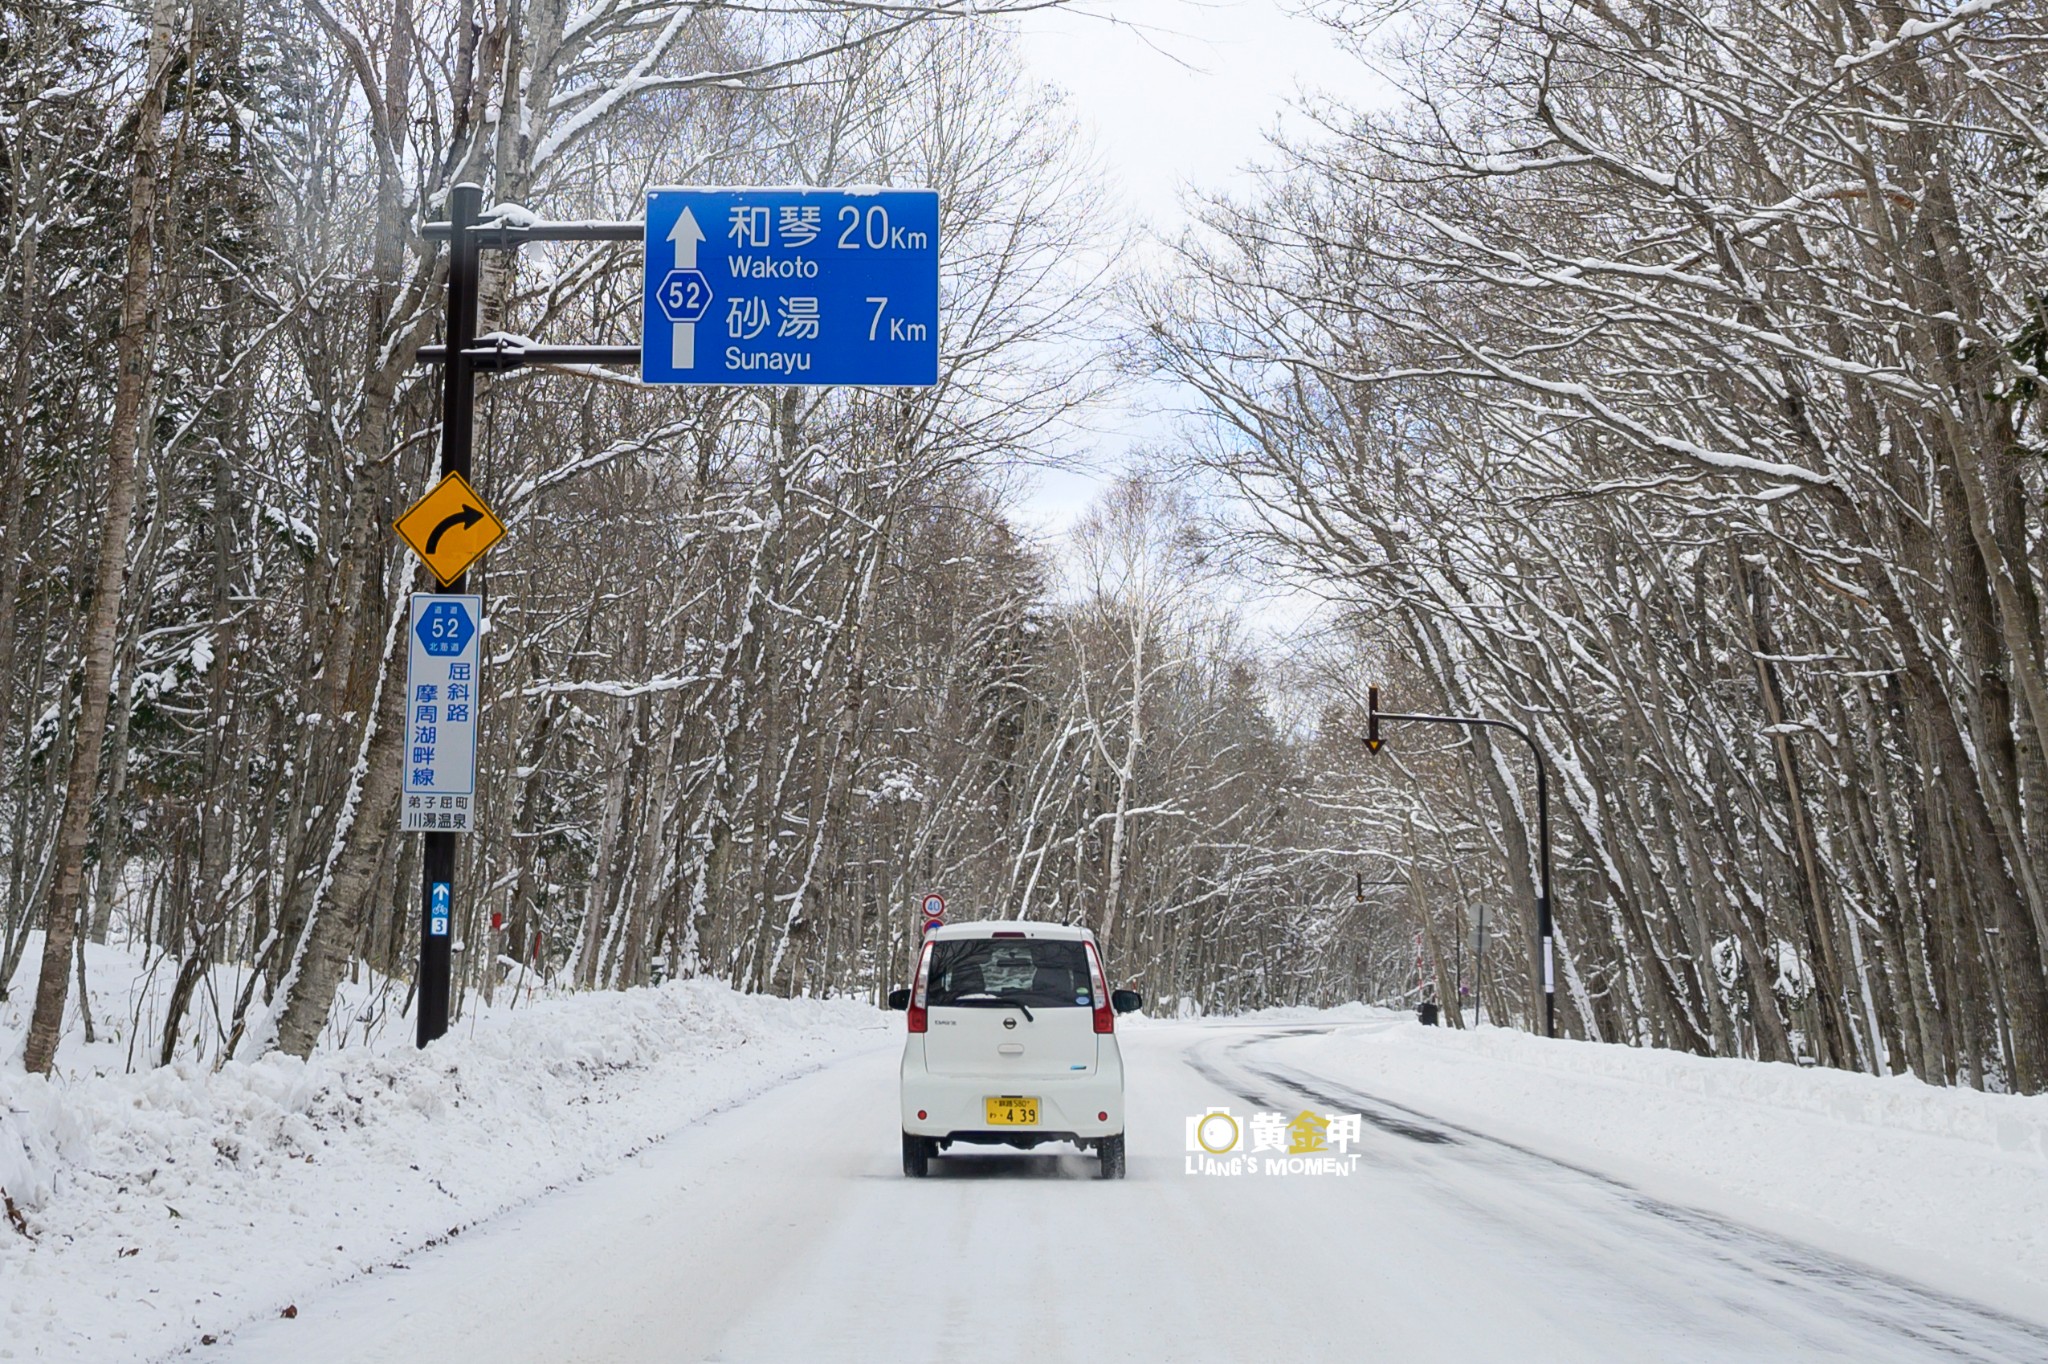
<point x="1126" y="1001"/>
<point x="899" y="998"/>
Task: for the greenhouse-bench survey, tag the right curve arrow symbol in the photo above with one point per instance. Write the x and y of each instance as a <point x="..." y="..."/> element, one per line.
<point x="465" y="518"/>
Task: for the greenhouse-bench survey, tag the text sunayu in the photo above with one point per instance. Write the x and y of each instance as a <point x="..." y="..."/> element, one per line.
<point x="776" y="361"/>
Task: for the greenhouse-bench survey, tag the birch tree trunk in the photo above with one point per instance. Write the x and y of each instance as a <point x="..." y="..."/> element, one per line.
<point x="131" y="350"/>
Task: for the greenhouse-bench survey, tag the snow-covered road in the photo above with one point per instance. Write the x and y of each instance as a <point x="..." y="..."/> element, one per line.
<point x="782" y="1230"/>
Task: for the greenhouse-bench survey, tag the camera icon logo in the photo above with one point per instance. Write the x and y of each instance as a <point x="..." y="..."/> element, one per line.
<point x="1215" y="1131"/>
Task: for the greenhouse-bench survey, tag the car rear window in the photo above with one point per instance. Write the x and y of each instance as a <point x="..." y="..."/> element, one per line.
<point x="1043" y="973"/>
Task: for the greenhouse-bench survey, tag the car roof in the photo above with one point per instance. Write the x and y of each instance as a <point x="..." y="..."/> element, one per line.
<point x="988" y="928"/>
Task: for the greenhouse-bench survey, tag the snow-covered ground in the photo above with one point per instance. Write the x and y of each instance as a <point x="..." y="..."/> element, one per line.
<point x="168" y="1205"/>
<point x="1948" y="1187"/>
<point x="685" y="1173"/>
<point x="782" y="1230"/>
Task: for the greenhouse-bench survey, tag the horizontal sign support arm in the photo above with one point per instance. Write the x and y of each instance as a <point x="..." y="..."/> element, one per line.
<point x="515" y="357"/>
<point x="510" y="236"/>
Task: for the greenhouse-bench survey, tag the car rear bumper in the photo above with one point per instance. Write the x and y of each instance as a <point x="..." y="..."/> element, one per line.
<point x="1069" y="1107"/>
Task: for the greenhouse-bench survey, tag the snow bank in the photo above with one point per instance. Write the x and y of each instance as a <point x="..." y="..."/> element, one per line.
<point x="1948" y="1187"/>
<point x="173" y="1203"/>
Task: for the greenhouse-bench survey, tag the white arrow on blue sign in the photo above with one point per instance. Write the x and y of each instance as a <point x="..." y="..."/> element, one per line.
<point x="791" y="286"/>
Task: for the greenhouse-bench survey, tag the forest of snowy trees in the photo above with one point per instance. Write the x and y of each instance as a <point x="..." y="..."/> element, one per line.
<point x="762" y="666"/>
<point x="1668" y="376"/>
<point x="1661" y="376"/>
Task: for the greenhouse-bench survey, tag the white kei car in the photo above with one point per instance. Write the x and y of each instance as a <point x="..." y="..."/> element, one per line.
<point x="1012" y="1042"/>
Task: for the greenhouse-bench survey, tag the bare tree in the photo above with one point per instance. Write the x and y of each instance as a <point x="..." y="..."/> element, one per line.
<point x="111" y="562"/>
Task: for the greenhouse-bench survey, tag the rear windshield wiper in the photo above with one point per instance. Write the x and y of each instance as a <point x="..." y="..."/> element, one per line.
<point x="999" y="1002"/>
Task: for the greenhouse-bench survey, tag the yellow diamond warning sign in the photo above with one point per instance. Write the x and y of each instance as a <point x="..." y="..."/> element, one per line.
<point x="449" y="528"/>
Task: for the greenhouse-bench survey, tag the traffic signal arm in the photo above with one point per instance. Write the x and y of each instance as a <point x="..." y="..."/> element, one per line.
<point x="1543" y="914"/>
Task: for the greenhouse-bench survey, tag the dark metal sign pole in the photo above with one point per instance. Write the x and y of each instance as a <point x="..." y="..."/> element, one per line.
<point x="458" y="427"/>
<point x="1543" y="926"/>
<point x="467" y="240"/>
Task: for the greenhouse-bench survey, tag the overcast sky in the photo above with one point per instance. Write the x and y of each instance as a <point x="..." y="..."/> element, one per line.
<point x="1174" y="93"/>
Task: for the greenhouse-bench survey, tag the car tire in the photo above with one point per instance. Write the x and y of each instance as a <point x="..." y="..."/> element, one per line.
<point x="1111" y="1151"/>
<point x="917" y="1155"/>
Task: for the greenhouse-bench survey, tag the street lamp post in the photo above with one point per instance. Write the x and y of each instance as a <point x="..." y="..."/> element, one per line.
<point x="1543" y="925"/>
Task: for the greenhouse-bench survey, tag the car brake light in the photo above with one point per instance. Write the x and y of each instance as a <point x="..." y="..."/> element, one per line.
<point x="1105" y="1016"/>
<point x="1006" y="935"/>
<point x="917" y="1016"/>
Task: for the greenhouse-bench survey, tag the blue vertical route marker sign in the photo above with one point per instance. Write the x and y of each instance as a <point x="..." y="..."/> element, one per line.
<point x="791" y="286"/>
<point x="441" y="696"/>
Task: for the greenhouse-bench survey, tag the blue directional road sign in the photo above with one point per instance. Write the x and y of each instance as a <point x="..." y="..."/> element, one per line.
<point x="791" y="286"/>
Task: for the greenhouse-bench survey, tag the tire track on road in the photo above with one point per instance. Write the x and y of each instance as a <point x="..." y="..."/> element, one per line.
<point x="1844" y="1290"/>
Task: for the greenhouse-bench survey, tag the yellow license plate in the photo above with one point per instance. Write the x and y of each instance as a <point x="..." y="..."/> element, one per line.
<point x="1011" y="1110"/>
